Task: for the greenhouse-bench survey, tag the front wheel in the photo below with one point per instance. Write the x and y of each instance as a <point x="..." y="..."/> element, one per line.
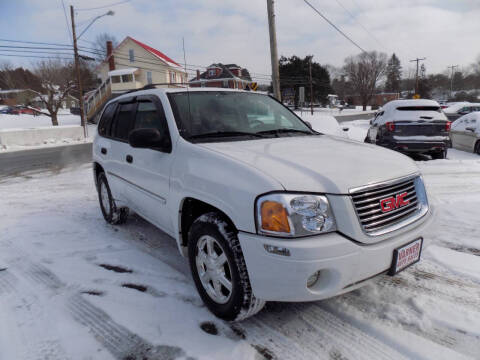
<point x="111" y="213"/>
<point x="219" y="269"/>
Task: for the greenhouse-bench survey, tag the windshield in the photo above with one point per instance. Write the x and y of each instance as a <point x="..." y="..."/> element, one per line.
<point x="214" y="114"/>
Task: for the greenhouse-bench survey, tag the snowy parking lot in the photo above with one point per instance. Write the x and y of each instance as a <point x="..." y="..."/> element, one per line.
<point x="74" y="287"/>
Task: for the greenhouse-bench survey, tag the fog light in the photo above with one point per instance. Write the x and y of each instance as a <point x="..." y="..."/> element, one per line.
<point x="277" y="250"/>
<point x="313" y="279"/>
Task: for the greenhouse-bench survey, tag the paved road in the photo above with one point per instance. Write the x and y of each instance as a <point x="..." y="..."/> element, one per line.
<point x="346" y="117"/>
<point x="15" y="162"/>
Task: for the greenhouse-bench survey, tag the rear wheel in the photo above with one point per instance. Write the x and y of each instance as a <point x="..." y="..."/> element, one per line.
<point x="111" y="213"/>
<point x="219" y="269"/>
<point x="439" y="154"/>
<point x="477" y="147"/>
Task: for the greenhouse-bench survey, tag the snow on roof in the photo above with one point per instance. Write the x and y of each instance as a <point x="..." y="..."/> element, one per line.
<point x="155" y="52"/>
<point x="419" y="102"/>
<point x="122" y="71"/>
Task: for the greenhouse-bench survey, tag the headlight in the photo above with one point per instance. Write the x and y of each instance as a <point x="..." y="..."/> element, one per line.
<point x="292" y="215"/>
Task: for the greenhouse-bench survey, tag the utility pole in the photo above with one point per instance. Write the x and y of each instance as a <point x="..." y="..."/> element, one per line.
<point x="416" y="76"/>
<point x="273" y="51"/>
<point x="77" y="70"/>
<point x="451" y="79"/>
<point x="311" y="86"/>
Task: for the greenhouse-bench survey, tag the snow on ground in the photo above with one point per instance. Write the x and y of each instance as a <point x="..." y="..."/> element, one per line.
<point x="25" y="121"/>
<point x="74" y="287"/>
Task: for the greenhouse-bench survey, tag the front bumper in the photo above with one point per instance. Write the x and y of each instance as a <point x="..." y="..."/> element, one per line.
<point x="344" y="265"/>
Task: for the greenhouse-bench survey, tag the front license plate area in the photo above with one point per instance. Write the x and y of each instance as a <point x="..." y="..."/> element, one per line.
<point x="405" y="256"/>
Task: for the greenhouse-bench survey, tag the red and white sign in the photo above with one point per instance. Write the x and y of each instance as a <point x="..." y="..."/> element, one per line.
<point x="406" y="255"/>
<point x="394" y="202"/>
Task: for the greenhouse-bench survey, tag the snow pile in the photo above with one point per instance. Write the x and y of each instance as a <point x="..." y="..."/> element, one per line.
<point x="322" y="122"/>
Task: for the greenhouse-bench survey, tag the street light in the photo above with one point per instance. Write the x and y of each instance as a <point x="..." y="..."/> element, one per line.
<point x="77" y="68"/>
<point x="108" y="13"/>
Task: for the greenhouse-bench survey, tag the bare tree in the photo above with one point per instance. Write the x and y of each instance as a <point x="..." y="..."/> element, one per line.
<point x="364" y="71"/>
<point x="101" y="45"/>
<point x="57" y="82"/>
<point x="6" y="75"/>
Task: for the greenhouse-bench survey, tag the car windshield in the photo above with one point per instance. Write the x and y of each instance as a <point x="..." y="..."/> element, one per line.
<point x="208" y="115"/>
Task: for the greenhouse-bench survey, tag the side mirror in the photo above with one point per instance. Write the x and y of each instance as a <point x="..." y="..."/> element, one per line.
<point x="148" y="139"/>
<point x="470" y="129"/>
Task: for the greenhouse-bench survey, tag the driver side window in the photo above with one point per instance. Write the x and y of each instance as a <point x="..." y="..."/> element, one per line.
<point x="148" y="116"/>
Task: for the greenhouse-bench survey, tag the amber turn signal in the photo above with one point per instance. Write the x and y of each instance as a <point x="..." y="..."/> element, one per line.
<point x="274" y="217"/>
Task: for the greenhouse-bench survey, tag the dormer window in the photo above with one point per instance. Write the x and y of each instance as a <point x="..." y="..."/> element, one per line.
<point x="212" y="72"/>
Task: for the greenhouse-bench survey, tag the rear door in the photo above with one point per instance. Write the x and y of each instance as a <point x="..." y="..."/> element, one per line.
<point x="424" y="122"/>
<point x="470" y="134"/>
<point x="149" y="170"/>
<point x="457" y="132"/>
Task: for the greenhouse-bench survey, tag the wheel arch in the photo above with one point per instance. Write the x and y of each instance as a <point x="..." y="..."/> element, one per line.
<point x="190" y="209"/>
<point x="97" y="169"/>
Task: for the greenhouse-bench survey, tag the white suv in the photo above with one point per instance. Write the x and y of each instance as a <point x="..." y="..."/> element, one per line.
<point x="265" y="208"/>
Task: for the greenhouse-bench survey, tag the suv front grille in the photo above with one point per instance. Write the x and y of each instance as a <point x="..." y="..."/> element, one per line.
<point x="376" y="220"/>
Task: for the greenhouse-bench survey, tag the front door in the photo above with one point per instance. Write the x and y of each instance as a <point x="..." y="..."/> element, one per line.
<point x="149" y="170"/>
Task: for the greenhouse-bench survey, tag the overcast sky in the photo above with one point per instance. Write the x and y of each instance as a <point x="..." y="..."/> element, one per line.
<point x="236" y="31"/>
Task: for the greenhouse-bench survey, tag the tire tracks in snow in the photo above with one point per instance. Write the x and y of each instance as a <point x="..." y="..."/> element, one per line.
<point x="118" y="340"/>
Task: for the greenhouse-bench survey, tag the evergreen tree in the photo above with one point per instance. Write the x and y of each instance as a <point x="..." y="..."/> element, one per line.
<point x="295" y="72"/>
<point x="394" y="74"/>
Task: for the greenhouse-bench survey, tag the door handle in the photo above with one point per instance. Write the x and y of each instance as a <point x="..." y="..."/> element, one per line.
<point x="103" y="150"/>
<point x="129" y="159"/>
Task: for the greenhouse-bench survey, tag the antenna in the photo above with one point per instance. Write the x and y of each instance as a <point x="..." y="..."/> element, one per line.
<point x="188" y="91"/>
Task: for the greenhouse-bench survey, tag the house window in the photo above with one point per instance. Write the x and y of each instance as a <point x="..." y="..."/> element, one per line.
<point x="116" y="79"/>
<point x="172" y="77"/>
<point x="127" y="78"/>
<point x="149" y="77"/>
<point x="131" y="55"/>
<point x="225" y="83"/>
<point x="212" y="72"/>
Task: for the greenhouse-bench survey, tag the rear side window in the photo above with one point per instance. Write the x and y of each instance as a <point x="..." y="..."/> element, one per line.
<point x="106" y="120"/>
<point x="149" y="117"/>
<point x="419" y="108"/>
<point x="123" y="121"/>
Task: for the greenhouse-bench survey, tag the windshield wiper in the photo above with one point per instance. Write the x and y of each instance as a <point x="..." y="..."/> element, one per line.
<point x="225" y="134"/>
<point x="284" y="131"/>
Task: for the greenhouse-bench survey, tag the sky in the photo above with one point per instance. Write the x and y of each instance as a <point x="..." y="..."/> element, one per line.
<point x="232" y="31"/>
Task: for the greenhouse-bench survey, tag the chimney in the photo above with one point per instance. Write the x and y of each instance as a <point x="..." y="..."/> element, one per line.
<point x="198" y="74"/>
<point x="111" y="60"/>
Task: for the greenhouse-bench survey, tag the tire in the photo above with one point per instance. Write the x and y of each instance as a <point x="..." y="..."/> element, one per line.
<point x="439" y="155"/>
<point x="231" y="305"/>
<point x="367" y="140"/>
<point x="477" y="148"/>
<point x="111" y="213"/>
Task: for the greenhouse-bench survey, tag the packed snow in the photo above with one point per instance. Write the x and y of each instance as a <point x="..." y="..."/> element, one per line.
<point x="74" y="287"/>
<point x="25" y="121"/>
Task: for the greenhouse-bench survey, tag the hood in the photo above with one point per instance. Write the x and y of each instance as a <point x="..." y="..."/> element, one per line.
<point x="323" y="164"/>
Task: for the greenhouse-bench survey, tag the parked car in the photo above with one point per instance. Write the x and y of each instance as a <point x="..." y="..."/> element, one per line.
<point x="22" y="109"/>
<point x="411" y="126"/>
<point x="465" y="133"/>
<point x="459" y="109"/>
<point x="265" y="208"/>
<point x="10" y="110"/>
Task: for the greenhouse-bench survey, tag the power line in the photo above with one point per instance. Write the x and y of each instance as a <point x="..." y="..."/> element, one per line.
<point x="104" y="6"/>
<point x="33" y="42"/>
<point x="66" y="22"/>
<point x="358" y="22"/>
<point x="334" y="26"/>
<point x="36" y="56"/>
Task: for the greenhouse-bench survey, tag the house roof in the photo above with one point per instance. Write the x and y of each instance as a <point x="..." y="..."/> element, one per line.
<point x="225" y="73"/>
<point x="155" y="52"/>
<point x="151" y="50"/>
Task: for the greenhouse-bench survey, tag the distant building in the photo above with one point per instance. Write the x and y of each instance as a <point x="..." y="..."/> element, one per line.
<point x="224" y="76"/>
<point x="133" y="64"/>
<point x="13" y="97"/>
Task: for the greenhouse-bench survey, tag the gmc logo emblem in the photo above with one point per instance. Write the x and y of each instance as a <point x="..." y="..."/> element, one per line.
<point x="394" y="202"/>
